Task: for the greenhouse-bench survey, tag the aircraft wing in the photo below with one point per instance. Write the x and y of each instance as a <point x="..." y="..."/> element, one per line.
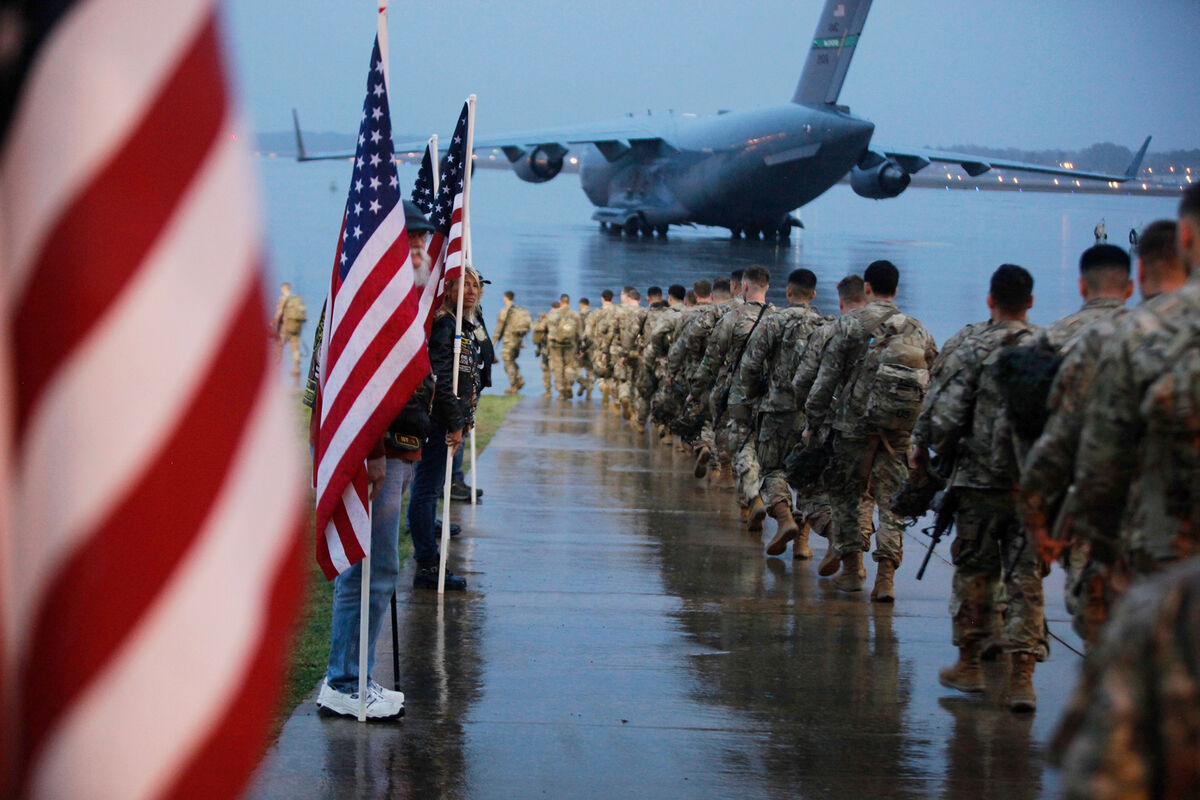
<point x="914" y="160"/>
<point x="613" y="139"/>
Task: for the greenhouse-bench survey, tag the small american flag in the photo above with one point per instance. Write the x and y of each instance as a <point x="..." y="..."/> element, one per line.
<point x="424" y="194"/>
<point x="373" y="352"/>
<point x="148" y="560"/>
<point x="445" y="245"/>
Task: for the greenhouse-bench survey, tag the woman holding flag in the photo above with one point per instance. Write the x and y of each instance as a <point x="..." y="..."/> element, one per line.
<point x="453" y="416"/>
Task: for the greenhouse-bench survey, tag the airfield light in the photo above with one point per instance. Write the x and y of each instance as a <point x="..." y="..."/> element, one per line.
<point x="1172" y="169"/>
<point x="1016" y="181"/>
<point x="1144" y="187"/>
<point x="574" y="160"/>
<point x="1150" y="170"/>
<point x="1056" y="181"/>
<point x="1068" y="165"/>
<point x="1077" y="183"/>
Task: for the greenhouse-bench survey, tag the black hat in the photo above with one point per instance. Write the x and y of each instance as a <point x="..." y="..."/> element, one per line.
<point x="414" y="220"/>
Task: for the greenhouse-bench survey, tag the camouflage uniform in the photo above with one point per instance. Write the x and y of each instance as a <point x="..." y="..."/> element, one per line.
<point x="541" y="330"/>
<point x="966" y="419"/>
<point x="1132" y="724"/>
<point x="660" y="319"/>
<point x="713" y="380"/>
<point x="598" y="330"/>
<point x="1136" y="479"/>
<point x="865" y="457"/>
<point x="626" y="351"/>
<point x="763" y="384"/>
<point x="1049" y="467"/>
<point x="583" y="369"/>
<point x="563" y="332"/>
<point x="683" y="359"/>
<point x="512" y="323"/>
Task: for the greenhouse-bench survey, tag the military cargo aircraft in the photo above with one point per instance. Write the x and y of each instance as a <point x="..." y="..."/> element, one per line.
<point x="746" y="171"/>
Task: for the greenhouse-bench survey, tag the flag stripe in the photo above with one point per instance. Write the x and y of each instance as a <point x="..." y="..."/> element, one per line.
<point x="106" y="458"/>
<point x="206" y="624"/>
<point x="115" y="221"/>
<point x="129" y="48"/>
<point x="148" y="533"/>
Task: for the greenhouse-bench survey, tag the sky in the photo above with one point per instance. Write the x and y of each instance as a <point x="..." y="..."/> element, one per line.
<point x="1031" y="74"/>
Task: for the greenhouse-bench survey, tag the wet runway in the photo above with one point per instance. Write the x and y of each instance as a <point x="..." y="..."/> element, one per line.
<point x="624" y="637"/>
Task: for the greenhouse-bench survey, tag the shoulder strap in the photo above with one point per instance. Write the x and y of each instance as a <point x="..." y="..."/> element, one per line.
<point x="741" y="353"/>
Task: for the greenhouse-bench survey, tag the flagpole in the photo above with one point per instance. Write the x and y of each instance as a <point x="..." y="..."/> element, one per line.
<point x="364" y="603"/>
<point x="462" y="277"/>
<point x="435" y="167"/>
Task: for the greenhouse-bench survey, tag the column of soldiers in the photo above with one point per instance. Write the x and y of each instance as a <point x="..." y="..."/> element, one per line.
<point x="1078" y="443"/>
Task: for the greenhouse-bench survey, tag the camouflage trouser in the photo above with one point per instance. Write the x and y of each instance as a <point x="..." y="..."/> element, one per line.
<point x="777" y="435"/>
<point x="583" y="371"/>
<point x="876" y="466"/>
<point x="745" y="462"/>
<point x="626" y="377"/>
<point x="562" y="365"/>
<point x="645" y="387"/>
<point x="508" y="356"/>
<point x="546" y="373"/>
<point x="1087" y="592"/>
<point x="815" y="510"/>
<point x="723" y="443"/>
<point x="987" y="538"/>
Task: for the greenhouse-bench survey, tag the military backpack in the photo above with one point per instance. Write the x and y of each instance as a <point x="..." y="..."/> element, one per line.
<point x="565" y="327"/>
<point x="294" y="314"/>
<point x="891" y="379"/>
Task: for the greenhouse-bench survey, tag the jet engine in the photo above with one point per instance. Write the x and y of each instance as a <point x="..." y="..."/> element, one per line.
<point x="879" y="181"/>
<point x="542" y="164"/>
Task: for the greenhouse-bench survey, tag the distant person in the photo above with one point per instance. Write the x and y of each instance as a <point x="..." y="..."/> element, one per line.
<point x="583" y="371"/>
<point x="563" y="332"/>
<point x="541" y="345"/>
<point x="290" y="316"/>
<point x="512" y="324"/>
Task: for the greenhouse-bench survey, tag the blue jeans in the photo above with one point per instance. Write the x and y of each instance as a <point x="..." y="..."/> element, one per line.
<point x="342" y="673"/>
<point x="427" y="487"/>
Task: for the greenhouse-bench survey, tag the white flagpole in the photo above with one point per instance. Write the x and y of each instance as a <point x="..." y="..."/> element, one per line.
<point x="364" y="602"/>
<point x="466" y="262"/>
<point x="436" y="168"/>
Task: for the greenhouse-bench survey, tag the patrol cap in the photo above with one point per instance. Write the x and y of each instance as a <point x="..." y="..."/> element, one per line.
<point x="414" y="220"/>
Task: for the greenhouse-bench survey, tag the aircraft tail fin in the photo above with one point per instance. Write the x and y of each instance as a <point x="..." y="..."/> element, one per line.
<point x="832" y="48"/>
<point x="301" y="155"/>
<point x="1136" y="164"/>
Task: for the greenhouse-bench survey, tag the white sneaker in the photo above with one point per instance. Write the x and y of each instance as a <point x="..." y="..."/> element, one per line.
<point x="387" y="694"/>
<point x="346" y="703"/>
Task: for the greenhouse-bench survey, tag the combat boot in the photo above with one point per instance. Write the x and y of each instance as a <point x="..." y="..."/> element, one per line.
<point x="829" y="563"/>
<point x="604" y="396"/>
<point x="756" y="515"/>
<point x="1020" y="682"/>
<point x="851" y="578"/>
<point x="885" y="590"/>
<point x="788" y="529"/>
<point x="702" y="456"/>
<point x="966" y="675"/>
<point x="626" y="408"/>
<point x="800" y="549"/>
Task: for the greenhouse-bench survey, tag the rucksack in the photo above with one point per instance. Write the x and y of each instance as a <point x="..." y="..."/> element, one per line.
<point x="566" y="324"/>
<point x="1023" y="376"/>
<point x="294" y="314"/>
<point x="519" y="321"/>
<point x="892" y="378"/>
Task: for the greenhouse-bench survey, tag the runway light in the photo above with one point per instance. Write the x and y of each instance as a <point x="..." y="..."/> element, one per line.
<point x="1015" y="180"/>
<point x="1056" y="181"/>
<point x="1172" y="169"/>
<point x="1144" y="187"/>
<point x="574" y="160"/>
<point x="1150" y="170"/>
<point x="1077" y="183"/>
<point x="1068" y="165"/>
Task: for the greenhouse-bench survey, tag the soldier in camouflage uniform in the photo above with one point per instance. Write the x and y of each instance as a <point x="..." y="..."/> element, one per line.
<point x="1049" y="466"/>
<point x="512" y="323"/>
<point x="1131" y="727"/>
<point x="583" y="370"/>
<point x="541" y="345"/>
<point x="598" y="331"/>
<point x="660" y="333"/>
<point x="1139" y="458"/>
<point x="563" y="329"/>
<point x="966" y="421"/>
<point x="714" y="377"/>
<point x="813" y="501"/>
<point x="762" y="394"/>
<point x="646" y="381"/>
<point x="624" y="350"/>
<point x="869" y="450"/>
<point x="667" y="403"/>
<point x="684" y="359"/>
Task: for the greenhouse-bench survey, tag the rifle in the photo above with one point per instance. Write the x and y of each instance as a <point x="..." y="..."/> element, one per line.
<point x="944" y="504"/>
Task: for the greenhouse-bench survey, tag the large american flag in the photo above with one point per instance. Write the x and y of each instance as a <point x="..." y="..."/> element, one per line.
<point x="445" y="245"/>
<point x="149" y="563"/>
<point x="373" y="352"/>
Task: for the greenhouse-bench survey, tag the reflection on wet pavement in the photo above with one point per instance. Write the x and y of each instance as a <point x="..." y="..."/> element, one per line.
<point x="623" y="637"/>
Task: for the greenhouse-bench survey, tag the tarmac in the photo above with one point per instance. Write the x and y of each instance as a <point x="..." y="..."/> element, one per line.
<point x="624" y="637"/>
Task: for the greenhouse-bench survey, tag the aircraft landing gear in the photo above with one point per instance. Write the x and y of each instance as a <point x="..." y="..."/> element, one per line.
<point x="631" y="227"/>
<point x="735" y="233"/>
<point x="752" y="231"/>
<point x="661" y="230"/>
